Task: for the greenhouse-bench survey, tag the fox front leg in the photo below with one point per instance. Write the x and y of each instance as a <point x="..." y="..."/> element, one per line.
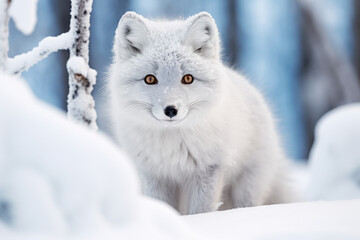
<point x="163" y="190"/>
<point x="204" y="190"/>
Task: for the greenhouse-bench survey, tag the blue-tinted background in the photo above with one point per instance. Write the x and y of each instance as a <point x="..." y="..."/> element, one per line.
<point x="294" y="55"/>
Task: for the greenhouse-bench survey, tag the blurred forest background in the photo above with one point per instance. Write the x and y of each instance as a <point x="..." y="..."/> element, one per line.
<point x="303" y="55"/>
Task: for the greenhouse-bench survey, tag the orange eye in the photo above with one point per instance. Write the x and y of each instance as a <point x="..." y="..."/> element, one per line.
<point x="150" y="79"/>
<point x="187" y="79"/>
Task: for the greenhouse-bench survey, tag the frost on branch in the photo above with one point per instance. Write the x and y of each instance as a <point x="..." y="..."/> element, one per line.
<point x="81" y="105"/>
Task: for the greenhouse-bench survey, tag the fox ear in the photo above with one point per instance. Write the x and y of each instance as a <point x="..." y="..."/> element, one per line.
<point x="202" y="35"/>
<point x="131" y="36"/>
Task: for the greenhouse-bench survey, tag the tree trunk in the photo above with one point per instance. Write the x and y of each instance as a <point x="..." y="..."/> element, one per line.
<point x="81" y="105"/>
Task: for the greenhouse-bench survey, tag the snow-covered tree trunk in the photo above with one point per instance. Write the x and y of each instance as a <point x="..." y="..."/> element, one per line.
<point x="81" y="105"/>
<point x="4" y="32"/>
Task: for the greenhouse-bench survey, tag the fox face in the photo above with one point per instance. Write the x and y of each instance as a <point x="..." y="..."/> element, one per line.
<point x="166" y="73"/>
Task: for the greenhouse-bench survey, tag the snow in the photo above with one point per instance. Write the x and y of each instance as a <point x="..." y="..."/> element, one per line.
<point x="61" y="181"/>
<point x="313" y="220"/>
<point x="77" y="65"/>
<point x="59" y="157"/>
<point x="80" y="102"/>
<point x="23" y="13"/>
<point x="335" y="156"/>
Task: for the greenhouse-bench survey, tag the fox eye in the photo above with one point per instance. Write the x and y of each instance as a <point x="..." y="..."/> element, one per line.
<point x="150" y="79"/>
<point x="187" y="79"/>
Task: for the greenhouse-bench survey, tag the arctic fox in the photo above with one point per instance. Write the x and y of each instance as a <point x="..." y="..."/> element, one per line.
<point x="199" y="133"/>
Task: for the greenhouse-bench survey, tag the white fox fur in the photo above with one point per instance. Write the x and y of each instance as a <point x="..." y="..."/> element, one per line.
<point x="221" y="146"/>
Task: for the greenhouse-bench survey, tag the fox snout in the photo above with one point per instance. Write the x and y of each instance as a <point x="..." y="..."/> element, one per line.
<point x="170" y="111"/>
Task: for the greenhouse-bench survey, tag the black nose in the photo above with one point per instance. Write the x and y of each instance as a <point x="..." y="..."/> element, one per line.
<point x="170" y="111"/>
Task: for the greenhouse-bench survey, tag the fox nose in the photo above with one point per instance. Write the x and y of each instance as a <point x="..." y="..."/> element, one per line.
<point x="170" y="111"/>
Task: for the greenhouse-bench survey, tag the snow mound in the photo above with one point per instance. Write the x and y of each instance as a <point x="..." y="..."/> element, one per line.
<point x="59" y="180"/>
<point x="335" y="156"/>
<point x="24" y="14"/>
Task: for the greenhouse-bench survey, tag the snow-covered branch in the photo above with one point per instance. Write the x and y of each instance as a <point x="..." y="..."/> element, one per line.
<point x="26" y="25"/>
<point x="4" y="32"/>
<point x="81" y="105"/>
<point x="46" y="46"/>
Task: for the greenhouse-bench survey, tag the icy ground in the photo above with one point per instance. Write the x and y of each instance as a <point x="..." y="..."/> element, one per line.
<point x="59" y="180"/>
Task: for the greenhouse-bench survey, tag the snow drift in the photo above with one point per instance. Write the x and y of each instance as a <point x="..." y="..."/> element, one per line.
<point x="59" y="179"/>
<point x="335" y="157"/>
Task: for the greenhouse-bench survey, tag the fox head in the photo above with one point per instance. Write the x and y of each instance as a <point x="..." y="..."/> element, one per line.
<point x="166" y="72"/>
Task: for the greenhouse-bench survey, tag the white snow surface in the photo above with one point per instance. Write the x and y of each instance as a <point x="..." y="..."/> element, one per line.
<point x="59" y="180"/>
<point x="335" y="157"/>
<point x="23" y="12"/>
<point x="298" y="221"/>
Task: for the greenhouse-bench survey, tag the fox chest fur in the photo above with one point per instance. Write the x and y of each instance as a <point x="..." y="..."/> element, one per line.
<point x="174" y="153"/>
